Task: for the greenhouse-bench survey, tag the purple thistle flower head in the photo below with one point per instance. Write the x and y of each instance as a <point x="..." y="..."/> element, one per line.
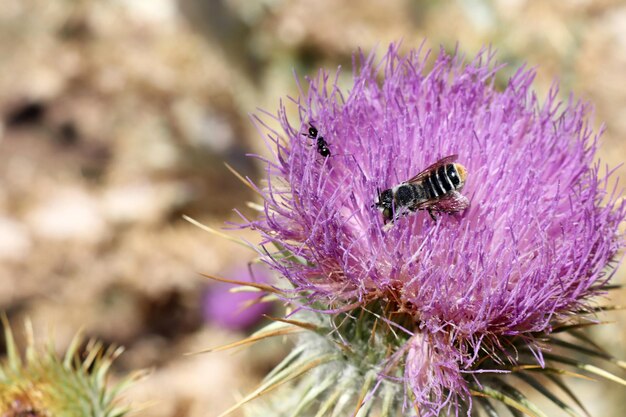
<point x="531" y="248"/>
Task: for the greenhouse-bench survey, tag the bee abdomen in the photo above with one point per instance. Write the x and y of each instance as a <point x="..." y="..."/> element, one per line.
<point x="443" y="179"/>
<point x="431" y="184"/>
<point x="453" y="175"/>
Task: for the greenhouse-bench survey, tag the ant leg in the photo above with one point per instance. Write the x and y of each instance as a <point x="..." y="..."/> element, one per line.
<point x="432" y="216"/>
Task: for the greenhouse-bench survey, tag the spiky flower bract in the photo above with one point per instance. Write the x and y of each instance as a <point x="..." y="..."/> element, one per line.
<point x="43" y="385"/>
<point x="422" y="317"/>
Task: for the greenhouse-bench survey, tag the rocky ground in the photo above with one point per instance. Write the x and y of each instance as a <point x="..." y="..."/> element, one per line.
<point x="116" y="118"/>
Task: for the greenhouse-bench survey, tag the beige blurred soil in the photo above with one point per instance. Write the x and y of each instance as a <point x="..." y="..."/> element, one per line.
<point x="116" y="117"/>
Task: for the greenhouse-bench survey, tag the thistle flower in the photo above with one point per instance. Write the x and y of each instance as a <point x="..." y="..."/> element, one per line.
<point x="42" y="385"/>
<point x="427" y="316"/>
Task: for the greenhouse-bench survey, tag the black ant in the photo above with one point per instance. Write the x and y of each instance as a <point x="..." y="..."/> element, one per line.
<point x="322" y="145"/>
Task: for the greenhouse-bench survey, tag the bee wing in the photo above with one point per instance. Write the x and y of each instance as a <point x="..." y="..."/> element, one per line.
<point x="443" y="161"/>
<point x="452" y="202"/>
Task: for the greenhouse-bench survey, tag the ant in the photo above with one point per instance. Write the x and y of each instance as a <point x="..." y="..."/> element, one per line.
<point x="322" y="145"/>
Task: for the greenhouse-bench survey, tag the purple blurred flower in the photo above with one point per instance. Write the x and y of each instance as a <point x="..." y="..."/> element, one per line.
<point x="236" y="310"/>
<point x="531" y="249"/>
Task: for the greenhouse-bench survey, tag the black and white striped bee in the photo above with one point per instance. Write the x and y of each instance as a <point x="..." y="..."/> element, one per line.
<point x="435" y="189"/>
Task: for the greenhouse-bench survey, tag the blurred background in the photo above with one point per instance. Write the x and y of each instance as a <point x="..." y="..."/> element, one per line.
<point x="116" y="117"/>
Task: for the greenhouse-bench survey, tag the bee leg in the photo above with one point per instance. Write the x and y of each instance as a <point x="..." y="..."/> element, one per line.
<point x="432" y="215"/>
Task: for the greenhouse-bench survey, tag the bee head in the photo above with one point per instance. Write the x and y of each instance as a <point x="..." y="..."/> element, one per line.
<point x="387" y="214"/>
<point x="385" y="200"/>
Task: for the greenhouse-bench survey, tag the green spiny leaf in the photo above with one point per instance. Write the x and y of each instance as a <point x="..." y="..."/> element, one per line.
<point x="578" y="334"/>
<point x="521" y="398"/>
<point x="291" y="372"/>
<point x="388" y="400"/>
<point x="560" y="328"/>
<point x="289" y="359"/>
<point x="315" y="391"/>
<point x="607" y="287"/>
<point x="489" y="409"/>
<point x="547" y="393"/>
<point x="509" y="397"/>
<point x="14" y="362"/>
<point x="331" y="400"/>
<point x="592" y="369"/>
<point x="56" y="386"/>
<point x="589" y="352"/>
<point x="559" y="382"/>
<point x="599" y="309"/>
<point x="361" y="407"/>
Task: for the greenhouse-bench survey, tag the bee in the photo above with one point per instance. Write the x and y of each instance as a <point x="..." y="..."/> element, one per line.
<point x="322" y="145"/>
<point x="435" y="189"/>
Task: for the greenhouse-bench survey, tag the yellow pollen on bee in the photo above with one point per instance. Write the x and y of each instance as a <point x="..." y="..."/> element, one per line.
<point x="462" y="171"/>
